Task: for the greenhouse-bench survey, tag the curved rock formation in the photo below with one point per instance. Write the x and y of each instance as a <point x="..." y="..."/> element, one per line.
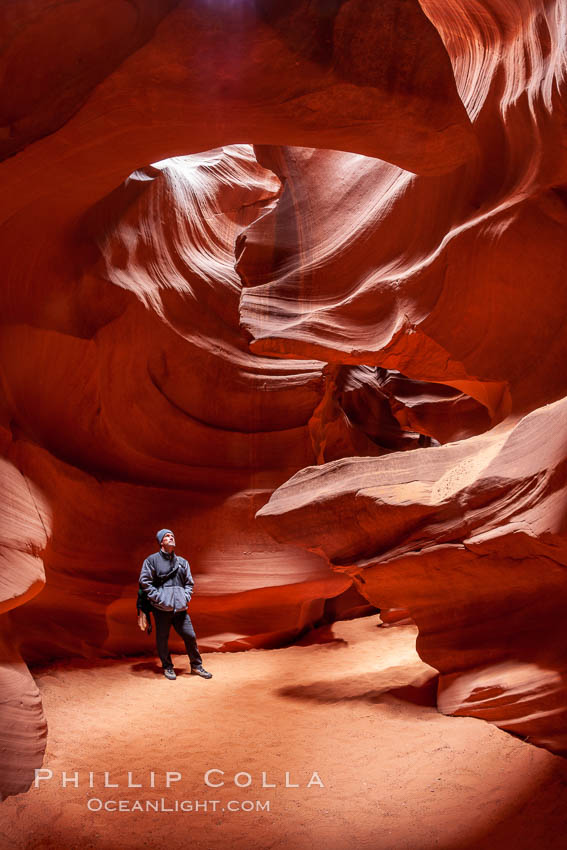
<point x="385" y="273"/>
<point x="24" y="729"/>
<point x="470" y="539"/>
<point x="169" y="419"/>
<point x="455" y="279"/>
<point x="25" y="525"/>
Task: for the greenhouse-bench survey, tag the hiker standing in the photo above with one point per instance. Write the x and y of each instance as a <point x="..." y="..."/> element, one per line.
<point x="166" y="580"/>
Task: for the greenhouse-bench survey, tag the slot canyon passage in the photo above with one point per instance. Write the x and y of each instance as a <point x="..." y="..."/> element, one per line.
<point x="290" y="279"/>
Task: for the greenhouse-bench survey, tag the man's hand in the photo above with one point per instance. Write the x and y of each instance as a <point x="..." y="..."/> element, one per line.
<point x="142" y="621"/>
<point x="188" y="584"/>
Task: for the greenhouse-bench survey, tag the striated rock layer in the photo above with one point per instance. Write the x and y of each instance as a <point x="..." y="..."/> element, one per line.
<point x="384" y="271"/>
<point x="25" y="526"/>
<point x="169" y="419"/>
<point x="470" y="539"/>
<point x="455" y="279"/>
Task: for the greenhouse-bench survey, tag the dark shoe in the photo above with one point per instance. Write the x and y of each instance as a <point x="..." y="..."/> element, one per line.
<point x="200" y="671"/>
<point x="169" y="673"/>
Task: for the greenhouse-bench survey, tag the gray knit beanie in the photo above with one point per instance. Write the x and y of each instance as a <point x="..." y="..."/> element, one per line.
<point x="161" y="534"/>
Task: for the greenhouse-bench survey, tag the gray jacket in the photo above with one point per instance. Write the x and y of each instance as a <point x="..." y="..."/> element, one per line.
<point x="167" y="582"/>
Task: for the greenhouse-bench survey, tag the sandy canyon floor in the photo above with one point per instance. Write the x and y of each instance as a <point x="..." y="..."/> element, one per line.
<point x="396" y="774"/>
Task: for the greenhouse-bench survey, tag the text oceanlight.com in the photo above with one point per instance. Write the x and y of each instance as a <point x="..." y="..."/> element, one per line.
<point x="95" y="804"/>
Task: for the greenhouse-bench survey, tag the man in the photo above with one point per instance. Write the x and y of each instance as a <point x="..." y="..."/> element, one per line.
<point x="166" y="580"/>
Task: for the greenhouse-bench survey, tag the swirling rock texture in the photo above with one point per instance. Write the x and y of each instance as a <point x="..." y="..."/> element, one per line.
<point x="25" y="525"/>
<point x="382" y="272"/>
<point x="457" y="279"/>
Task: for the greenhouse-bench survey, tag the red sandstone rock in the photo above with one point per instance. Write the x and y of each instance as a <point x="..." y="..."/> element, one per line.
<point x="470" y="539"/>
<point x="465" y="292"/>
<point x="24" y="529"/>
<point x="452" y="274"/>
<point x="25" y="525"/>
<point x="395" y="617"/>
<point x="23" y="727"/>
<point x="385" y="289"/>
<point x="168" y="419"/>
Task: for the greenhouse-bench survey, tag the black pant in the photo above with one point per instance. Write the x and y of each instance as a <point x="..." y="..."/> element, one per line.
<point x="181" y="622"/>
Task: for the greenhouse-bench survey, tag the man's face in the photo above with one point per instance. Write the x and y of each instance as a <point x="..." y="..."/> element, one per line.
<point x="168" y="542"/>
